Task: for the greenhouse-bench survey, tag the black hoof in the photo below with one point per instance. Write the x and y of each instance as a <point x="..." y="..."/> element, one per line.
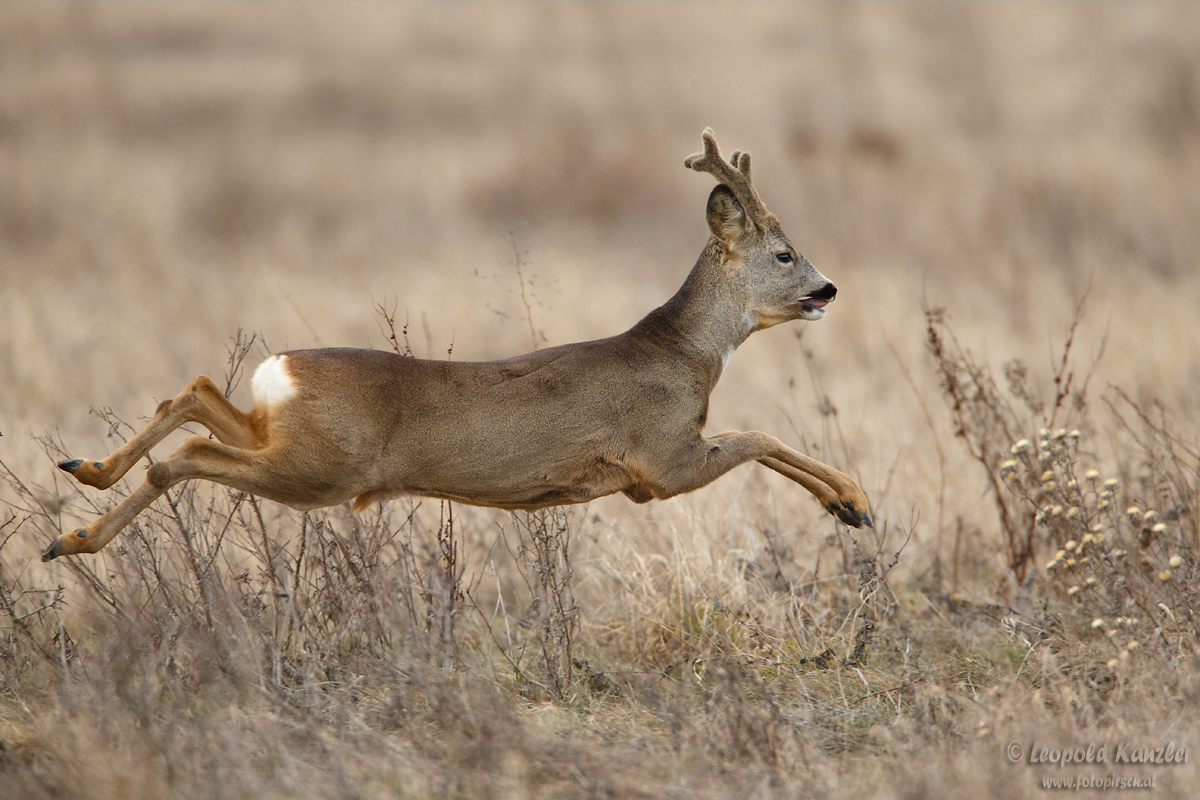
<point x="53" y="551"/>
<point x="848" y="514"/>
<point x="69" y="466"/>
<point x="850" y="518"/>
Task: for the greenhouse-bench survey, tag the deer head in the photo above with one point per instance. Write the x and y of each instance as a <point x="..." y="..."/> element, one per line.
<point x="776" y="282"/>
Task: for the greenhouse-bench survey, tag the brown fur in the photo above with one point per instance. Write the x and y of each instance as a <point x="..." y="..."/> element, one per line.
<point x="561" y="425"/>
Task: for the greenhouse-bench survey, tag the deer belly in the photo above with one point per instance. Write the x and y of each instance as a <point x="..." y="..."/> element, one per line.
<point x="522" y="484"/>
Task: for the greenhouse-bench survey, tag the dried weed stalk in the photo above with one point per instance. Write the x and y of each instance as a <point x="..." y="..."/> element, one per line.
<point x="1124" y="549"/>
<point x="1124" y="552"/>
<point x="987" y="423"/>
<point x="544" y="553"/>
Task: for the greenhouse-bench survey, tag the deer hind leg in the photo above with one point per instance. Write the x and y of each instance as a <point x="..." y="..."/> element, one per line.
<point x="200" y="402"/>
<point x="197" y="457"/>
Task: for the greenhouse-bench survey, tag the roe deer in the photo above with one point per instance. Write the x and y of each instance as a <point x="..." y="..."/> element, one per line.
<point x="561" y="425"/>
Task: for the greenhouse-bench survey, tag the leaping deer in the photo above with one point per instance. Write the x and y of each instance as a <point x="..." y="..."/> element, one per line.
<point x="557" y="426"/>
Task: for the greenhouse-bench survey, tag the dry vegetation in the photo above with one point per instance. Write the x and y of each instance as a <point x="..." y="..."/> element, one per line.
<point x="1005" y="193"/>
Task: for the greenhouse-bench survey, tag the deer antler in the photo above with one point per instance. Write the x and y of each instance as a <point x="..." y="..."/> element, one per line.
<point x="734" y="173"/>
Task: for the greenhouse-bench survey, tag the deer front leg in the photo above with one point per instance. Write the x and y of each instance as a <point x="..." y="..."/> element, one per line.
<point x="850" y="507"/>
<point x="200" y="402"/>
<point x="838" y="493"/>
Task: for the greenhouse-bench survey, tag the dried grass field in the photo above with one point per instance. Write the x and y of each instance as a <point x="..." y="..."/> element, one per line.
<point x="1006" y="194"/>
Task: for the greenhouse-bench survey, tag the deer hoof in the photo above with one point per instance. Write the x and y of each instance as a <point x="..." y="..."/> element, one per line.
<point x="53" y="551"/>
<point x="60" y="547"/>
<point x="89" y="473"/>
<point x="847" y="513"/>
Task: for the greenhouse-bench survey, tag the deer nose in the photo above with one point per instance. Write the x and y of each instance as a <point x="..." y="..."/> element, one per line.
<point x="826" y="292"/>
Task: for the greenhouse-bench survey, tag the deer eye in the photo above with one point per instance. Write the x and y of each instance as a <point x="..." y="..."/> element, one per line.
<point x="784" y="257"/>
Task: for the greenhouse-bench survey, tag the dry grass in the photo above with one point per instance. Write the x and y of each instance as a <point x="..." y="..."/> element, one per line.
<point x="508" y="175"/>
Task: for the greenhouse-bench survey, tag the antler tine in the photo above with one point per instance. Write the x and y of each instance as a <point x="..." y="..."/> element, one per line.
<point x="710" y="160"/>
<point x="734" y="173"/>
<point x="742" y="162"/>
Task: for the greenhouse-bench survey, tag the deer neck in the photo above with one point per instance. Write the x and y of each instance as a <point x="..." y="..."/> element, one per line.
<point x="706" y="320"/>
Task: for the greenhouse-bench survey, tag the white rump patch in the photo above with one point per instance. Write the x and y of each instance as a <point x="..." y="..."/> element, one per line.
<point x="272" y="384"/>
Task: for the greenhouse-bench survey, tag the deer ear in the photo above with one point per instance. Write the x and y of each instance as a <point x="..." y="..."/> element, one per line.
<point x="726" y="217"/>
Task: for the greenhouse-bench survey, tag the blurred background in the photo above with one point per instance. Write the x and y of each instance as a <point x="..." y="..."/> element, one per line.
<point x="173" y="172"/>
<point x="179" y="178"/>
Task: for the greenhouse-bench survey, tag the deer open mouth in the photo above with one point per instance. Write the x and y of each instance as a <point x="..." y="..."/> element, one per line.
<point x="812" y="309"/>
